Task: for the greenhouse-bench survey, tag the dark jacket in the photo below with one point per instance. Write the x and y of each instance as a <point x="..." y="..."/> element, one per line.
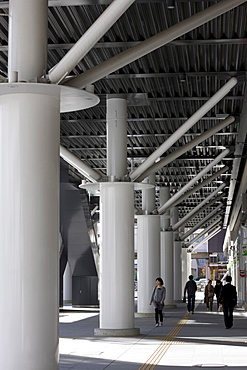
<point x="228" y="295"/>
<point x="190" y="287"/>
<point x="217" y="289"/>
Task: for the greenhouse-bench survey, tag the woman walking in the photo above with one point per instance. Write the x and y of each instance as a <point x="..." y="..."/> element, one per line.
<point x="209" y="295"/>
<point x="158" y="298"/>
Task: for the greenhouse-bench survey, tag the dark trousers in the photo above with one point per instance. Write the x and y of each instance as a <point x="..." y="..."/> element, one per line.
<point x="228" y="316"/>
<point x="191" y="302"/>
<point x="158" y="313"/>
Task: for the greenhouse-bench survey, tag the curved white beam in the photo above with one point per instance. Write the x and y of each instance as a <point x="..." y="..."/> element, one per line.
<point x="172" y="156"/>
<point x="199" y="208"/>
<point x="165" y="206"/>
<point x="112" y="13"/>
<point x="83" y="168"/>
<point x="185" y="127"/>
<point x="153" y="43"/>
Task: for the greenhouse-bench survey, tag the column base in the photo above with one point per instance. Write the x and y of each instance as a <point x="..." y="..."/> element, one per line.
<point x="133" y="332"/>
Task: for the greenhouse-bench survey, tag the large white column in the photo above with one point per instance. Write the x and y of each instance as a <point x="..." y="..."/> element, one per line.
<point x="148" y="252"/>
<point x="117" y="260"/>
<point x="28" y="24"/>
<point x="148" y="196"/>
<point x="29" y="226"/>
<point x="177" y="260"/>
<point x="117" y="227"/>
<point x="189" y="261"/>
<point x="184" y="268"/>
<point x="116" y="139"/>
<point x="166" y="253"/>
<point x="166" y="249"/>
<point x="67" y="284"/>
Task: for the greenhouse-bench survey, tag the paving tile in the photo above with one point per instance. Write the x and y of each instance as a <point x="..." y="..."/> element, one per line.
<point x="203" y="333"/>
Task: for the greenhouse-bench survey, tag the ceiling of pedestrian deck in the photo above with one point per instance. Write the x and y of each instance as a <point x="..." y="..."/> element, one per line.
<point x="163" y="89"/>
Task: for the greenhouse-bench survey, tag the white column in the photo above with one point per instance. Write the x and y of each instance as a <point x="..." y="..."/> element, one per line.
<point x="28" y="38"/>
<point x="165" y="218"/>
<point x="67" y="284"/>
<point x="117" y="226"/>
<point x="166" y="249"/>
<point x="184" y="268"/>
<point x="177" y="271"/>
<point x="117" y="260"/>
<point x="177" y="260"/>
<point x="148" y="252"/>
<point x="116" y="139"/>
<point x="29" y="226"/>
<point x="189" y="272"/>
<point x="148" y="196"/>
<point x="166" y="258"/>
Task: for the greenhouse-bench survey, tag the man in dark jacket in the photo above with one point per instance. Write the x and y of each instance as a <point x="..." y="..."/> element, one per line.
<point x="190" y="288"/>
<point x="228" y="299"/>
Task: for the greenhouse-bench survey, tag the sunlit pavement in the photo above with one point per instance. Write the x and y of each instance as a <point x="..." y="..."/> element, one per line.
<point x="185" y="341"/>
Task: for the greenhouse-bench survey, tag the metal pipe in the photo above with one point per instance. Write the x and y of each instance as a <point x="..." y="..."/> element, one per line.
<point x="199" y="186"/>
<point x="83" y="168"/>
<point x="199" y="224"/>
<point x="199" y="208"/>
<point x="170" y="202"/>
<point x="89" y="39"/>
<point x="207" y="238"/>
<point x="185" y="127"/>
<point x="153" y="43"/>
<point x="207" y="230"/>
<point x="172" y="156"/>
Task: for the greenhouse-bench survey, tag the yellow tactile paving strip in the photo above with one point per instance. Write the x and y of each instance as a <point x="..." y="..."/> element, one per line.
<point x="160" y="351"/>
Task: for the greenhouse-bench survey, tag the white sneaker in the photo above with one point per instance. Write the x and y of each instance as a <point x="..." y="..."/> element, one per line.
<point x="157" y="324"/>
<point x="161" y="323"/>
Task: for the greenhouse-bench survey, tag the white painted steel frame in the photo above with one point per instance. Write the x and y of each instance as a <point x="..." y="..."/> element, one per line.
<point x="216" y="231"/>
<point x="206" y="230"/>
<point x="214" y="213"/>
<point x="188" y="146"/>
<point x="163" y="208"/>
<point x="185" y="127"/>
<point x="153" y="43"/>
<point x="199" y="207"/>
<point x="199" y="186"/>
<point x="112" y="13"/>
<point x="82" y="167"/>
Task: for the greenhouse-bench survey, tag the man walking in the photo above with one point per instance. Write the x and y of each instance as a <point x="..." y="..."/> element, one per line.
<point x="190" y="288"/>
<point x="228" y="299"/>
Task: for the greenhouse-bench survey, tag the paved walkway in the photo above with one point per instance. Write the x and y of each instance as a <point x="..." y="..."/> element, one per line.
<point x="185" y="342"/>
